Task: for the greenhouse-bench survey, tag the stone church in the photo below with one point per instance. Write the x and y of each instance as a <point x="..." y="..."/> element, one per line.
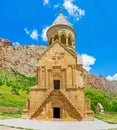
<point x="59" y="93"/>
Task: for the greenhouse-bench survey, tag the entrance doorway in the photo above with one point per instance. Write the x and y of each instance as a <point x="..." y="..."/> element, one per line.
<point x="56" y="112"/>
<point x="56" y="84"/>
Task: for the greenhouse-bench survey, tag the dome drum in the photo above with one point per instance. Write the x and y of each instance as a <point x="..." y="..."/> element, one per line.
<point x="62" y="33"/>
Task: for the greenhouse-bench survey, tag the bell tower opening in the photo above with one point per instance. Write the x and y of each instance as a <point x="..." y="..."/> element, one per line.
<point x="56" y="84"/>
<point x="56" y="112"/>
<point x="69" y="41"/>
<point x="63" y="39"/>
<point x="56" y="38"/>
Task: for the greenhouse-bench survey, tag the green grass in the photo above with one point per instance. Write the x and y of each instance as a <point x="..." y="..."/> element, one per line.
<point x="8" y="99"/>
<point x="16" y="81"/>
<point x="109" y="118"/>
<point x="14" y="89"/>
<point x="10" y="115"/>
<point x="18" y="128"/>
<point x="106" y="98"/>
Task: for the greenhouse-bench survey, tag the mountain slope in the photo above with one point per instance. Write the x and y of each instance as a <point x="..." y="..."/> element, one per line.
<point x="24" y="59"/>
<point x="21" y="58"/>
<point x="99" y="82"/>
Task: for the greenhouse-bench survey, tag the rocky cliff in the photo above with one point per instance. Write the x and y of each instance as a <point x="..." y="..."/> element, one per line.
<point x="25" y="58"/>
<point x="4" y="42"/>
<point x="99" y="82"/>
<point x="20" y="58"/>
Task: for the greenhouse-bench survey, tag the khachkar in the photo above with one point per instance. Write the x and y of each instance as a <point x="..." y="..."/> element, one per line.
<point x="59" y="92"/>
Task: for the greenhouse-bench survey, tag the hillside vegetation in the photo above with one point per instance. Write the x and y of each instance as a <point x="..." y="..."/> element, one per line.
<point x="14" y="88"/>
<point x="106" y="98"/>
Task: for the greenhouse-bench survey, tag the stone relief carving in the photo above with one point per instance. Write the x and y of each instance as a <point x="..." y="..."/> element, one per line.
<point x="57" y="57"/>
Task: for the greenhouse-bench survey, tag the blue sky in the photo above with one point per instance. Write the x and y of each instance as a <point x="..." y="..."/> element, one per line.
<point x="95" y="21"/>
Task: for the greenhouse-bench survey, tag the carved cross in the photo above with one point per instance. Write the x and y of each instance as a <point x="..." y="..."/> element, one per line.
<point x="56" y="57"/>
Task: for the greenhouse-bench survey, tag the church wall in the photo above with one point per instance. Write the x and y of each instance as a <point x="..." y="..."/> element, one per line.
<point x="66" y="111"/>
<point x="42" y="77"/>
<point x="56" y="56"/>
<point x="69" y="77"/>
<point x="64" y="79"/>
<point x="79" y="79"/>
<point x="36" y="97"/>
<point x="81" y="100"/>
<point x="56" y="61"/>
<point x="56" y="74"/>
<point x="77" y="98"/>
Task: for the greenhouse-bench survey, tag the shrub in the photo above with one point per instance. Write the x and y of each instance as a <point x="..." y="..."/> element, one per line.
<point x="106" y="98"/>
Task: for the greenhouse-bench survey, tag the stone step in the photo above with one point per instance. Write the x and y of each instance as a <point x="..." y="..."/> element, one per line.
<point x="42" y="103"/>
<point x="70" y="103"/>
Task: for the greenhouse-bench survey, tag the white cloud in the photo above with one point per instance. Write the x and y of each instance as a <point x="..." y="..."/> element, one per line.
<point x="73" y="10"/>
<point x="43" y="34"/>
<point x="45" y="2"/>
<point x="88" y="61"/>
<point x="16" y="44"/>
<point x="26" y="30"/>
<point x="114" y="77"/>
<point x="33" y="34"/>
<point x="56" y="5"/>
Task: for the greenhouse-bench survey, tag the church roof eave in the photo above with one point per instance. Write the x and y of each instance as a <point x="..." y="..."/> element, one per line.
<point x="53" y="45"/>
<point x="61" y="25"/>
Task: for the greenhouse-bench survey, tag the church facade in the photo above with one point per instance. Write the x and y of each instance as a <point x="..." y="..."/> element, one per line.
<point x="59" y="93"/>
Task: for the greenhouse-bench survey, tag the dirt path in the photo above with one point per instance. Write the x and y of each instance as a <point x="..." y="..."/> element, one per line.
<point x="55" y="125"/>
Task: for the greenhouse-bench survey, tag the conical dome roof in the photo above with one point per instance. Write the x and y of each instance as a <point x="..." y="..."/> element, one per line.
<point x="61" y="20"/>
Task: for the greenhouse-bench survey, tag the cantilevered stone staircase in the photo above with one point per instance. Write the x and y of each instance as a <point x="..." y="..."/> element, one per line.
<point x="39" y="107"/>
<point x="74" y="108"/>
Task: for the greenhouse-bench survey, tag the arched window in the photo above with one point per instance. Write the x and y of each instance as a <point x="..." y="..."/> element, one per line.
<point x="69" y="41"/>
<point x="63" y="39"/>
<point x="56" y="37"/>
